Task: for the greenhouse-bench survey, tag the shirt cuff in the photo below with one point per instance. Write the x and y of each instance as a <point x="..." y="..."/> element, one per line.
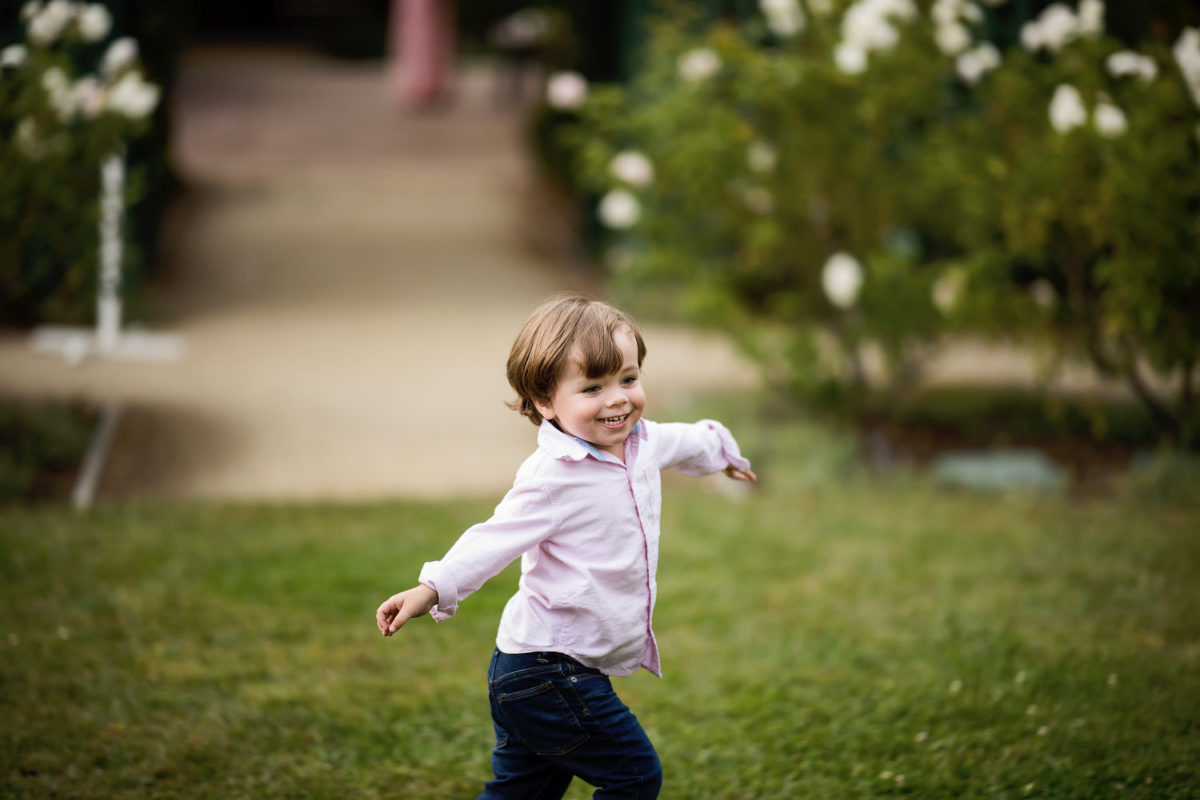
<point x="436" y="577"/>
<point x="730" y="453"/>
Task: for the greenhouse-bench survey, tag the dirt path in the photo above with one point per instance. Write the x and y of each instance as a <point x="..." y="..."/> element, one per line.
<point x="348" y="279"/>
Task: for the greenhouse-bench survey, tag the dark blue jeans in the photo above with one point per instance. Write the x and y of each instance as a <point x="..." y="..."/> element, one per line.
<point x="556" y="719"/>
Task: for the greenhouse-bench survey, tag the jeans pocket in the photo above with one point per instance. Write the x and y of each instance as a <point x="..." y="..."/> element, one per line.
<point x="537" y="713"/>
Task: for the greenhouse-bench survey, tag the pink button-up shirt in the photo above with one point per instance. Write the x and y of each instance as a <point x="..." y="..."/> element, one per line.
<point x="586" y="528"/>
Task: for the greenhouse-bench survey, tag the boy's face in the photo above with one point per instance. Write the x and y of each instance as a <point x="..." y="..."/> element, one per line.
<point x="602" y="410"/>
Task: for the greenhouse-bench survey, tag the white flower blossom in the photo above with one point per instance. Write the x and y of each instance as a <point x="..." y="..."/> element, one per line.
<point x="94" y="22"/>
<point x="59" y="93"/>
<point x="1091" y="18"/>
<point x="971" y="13"/>
<point x="1109" y="120"/>
<point x="1128" y="62"/>
<point x="121" y="54"/>
<point x="945" y="12"/>
<point x="28" y="138"/>
<point x="866" y="26"/>
<point x="619" y="209"/>
<point x="1066" y="109"/>
<point x="566" y="91"/>
<point x="842" y="279"/>
<point x="698" y="64"/>
<point x="89" y="98"/>
<point x="977" y="62"/>
<point x="30" y="10"/>
<point x="1056" y="26"/>
<point x="952" y="39"/>
<point x="850" y="58"/>
<point x="947" y="290"/>
<point x="1187" y="55"/>
<point x="633" y="168"/>
<point x="761" y="157"/>
<point x="759" y="200"/>
<point x="13" y="56"/>
<point x="785" y="18"/>
<point x="133" y="96"/>
<point x="50" y="22"/>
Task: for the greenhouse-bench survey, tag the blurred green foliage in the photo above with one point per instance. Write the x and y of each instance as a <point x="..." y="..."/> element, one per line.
<point x="966" y="209"/>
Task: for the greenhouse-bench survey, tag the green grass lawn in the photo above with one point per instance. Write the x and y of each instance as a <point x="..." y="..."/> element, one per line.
<point x="820" y="639"/>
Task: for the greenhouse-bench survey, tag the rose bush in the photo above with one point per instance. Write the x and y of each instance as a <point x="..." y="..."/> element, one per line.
<point x="56" y="126"/>
<point x="830" y="184"/>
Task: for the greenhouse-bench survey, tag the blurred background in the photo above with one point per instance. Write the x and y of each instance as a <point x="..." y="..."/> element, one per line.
<point x="937" y="227"/>
<point x="934" y="262"/>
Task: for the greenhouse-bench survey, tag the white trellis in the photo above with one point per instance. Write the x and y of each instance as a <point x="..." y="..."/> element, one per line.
<point x="108" y="339"/>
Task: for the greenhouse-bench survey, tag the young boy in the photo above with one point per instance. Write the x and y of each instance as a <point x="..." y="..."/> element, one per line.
<point x="583" y="515"/>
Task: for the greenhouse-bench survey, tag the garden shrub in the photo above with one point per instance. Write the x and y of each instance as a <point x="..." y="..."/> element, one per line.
<point x="841" y="188"/>
<point x="58" y="121"/>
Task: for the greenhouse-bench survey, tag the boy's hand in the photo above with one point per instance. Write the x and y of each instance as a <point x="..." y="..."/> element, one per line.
<point x="741" y="474"/>
<point x="400" y="608"/>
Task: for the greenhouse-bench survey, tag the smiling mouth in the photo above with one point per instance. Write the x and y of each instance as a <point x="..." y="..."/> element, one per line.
<point x="614" y="421"/>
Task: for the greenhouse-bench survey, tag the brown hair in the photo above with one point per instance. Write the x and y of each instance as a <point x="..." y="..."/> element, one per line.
<point x="548" y="338"/>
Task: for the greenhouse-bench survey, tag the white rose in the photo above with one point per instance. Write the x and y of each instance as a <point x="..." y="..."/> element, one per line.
<point x="1128" y="62"/>
<point x="842" y="279"/>
<point x="28" y="137"/>
<point x="1059" y="26"/>
<point x="975" y="63"/>
<point x="866" y="26"/>
<point x="945" y="12"/>
<point x="972" y="13"/>
<point x="952" y="39"/>
<point x="13" y="56"/>
<point x="947" y="290"/>
<point x="619" y="209"/>
<point x="761" y="157"/>
<point x="1187" y="55"/>
<point x="1109" y="120"/>
<point x="89" y="97"/>
<point x="566" y="91"/>
<point x="49" y="23"/>
<point x="122" y="53"/>
<point x="850" y="58"/>
<point x="1091" y="17"/>
<point x="633" y="168"/>
<point x="698" y="65"/>
<point x="59" y="93"/>
<point x="94" y="22"/>
<point x="133" y="96"/>
<point x="785" y="18"/>
<point x="1066" y="109"/>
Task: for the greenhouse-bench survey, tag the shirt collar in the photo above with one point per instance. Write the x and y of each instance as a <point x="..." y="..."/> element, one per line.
<point x="566" y="447"/>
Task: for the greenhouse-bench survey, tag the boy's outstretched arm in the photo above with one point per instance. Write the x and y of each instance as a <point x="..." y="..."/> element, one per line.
<point x="400" y="608"/>
<point x="741" y="474"/>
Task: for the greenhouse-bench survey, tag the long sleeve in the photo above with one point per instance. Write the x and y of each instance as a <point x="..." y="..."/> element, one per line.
<point x="697" y="449"/>
<point x="522" y="520"/>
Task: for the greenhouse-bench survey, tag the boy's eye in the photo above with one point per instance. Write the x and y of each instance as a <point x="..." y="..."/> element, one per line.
<point x="591" y="389"/>
<point x="629" y="380"/>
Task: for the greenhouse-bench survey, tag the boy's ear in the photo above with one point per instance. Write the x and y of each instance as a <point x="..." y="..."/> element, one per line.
<point x="547" y="411"/>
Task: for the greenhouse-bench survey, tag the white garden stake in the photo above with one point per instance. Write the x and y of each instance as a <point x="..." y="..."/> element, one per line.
<point x="108" y="299"/>
<point x="108" y="339"/>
